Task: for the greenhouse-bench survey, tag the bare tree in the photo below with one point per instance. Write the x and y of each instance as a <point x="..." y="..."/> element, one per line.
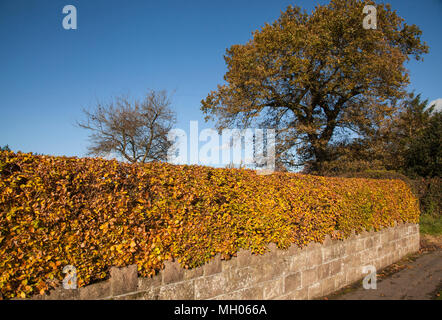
<point x="135" y="130"/>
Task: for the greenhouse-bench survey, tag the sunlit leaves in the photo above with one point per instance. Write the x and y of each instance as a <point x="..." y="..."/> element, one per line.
<point x="95" y="213"/>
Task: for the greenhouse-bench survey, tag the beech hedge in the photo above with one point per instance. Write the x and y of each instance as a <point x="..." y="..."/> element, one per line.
<point x="96" y="213"/>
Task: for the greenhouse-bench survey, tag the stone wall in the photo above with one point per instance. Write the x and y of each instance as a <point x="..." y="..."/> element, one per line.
<point x="307" y="273"/>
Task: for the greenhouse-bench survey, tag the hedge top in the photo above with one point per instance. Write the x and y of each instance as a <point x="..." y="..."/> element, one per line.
<point x="95" y="213"/>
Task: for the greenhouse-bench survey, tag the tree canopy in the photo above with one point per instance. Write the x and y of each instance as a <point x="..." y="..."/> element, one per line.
<point x="313" y="76"/>
<point x="134" y="130"/>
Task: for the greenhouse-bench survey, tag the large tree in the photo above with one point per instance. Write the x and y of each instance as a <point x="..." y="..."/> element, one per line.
<point x="132" y="129"/>
<point x="312" y="76"/>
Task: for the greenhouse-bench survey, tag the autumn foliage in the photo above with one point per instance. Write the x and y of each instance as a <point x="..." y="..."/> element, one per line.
<point x="95" y="213"/>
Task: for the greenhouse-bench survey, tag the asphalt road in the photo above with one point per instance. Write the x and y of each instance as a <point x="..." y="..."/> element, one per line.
<point x="418" y="281"/>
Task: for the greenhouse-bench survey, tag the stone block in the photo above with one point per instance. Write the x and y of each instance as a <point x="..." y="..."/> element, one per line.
<point x="273" y="289"/>
<point x="271" y="252"/>
<point x="314" y="291"/>
<point x="352" y="260"/>
<point x="193" y="273"/>
<point x="350" y="247"/>
<point x="177" y="291"/>
<point x="333" y="252"/>
<point x="377" y="239"/>
<point x="335" y="267"/>
<point x="359" y="245"/>
<point x="327" y="241"/>
<point x="211" y="286"/>
<point x="309" y="277"/>
<point x="172" y="272"/>
<point x="293" y="250"/>
<point x="314" y="257"/>
<point x="300" y="294"/>
<point x="313" y="246"/>
<point x="213" y="266"/>
<point x="63" y="294"/>
<point x="95" y="291"/>
<point x="340" y="280"/>
<point x="298" y="262"/>
<point x="151" y="294"/>
<point x="292" y="282"/>
<point x="253" y="293"/>
<point x="389" y="236"/>
<point x="232" y="263"/>
<point x="328" y="285"/>
<point x="268" y="271"/>
<point x="123" y="280"/>
<point x="281" y="253"/>
<point x="368" y="243"/>
<point x="396" y="234"/>
<point x="327" y="253"/>
<point x="146" y="283"/>
<point x="353" y="274"/>
<point x="244" y="258"/>
<point x="324" y="270"/>
<point x="242" y="278"/>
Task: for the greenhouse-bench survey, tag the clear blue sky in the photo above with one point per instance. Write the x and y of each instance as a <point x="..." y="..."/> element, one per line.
<point x="47" y="74"/>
